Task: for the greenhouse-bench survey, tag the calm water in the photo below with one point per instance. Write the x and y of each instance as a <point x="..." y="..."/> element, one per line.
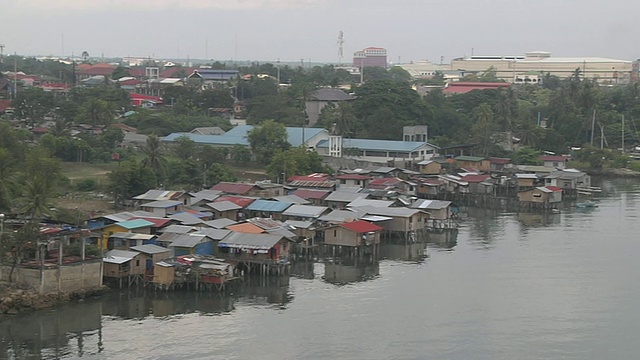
<point x="506" y="286"/>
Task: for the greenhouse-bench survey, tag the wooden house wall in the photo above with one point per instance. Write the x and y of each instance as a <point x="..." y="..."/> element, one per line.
<point x="431" y="169"/>
<point x="164" y="275"/>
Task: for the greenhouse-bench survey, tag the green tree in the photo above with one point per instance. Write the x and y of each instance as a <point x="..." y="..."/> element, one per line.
<point x="526" y="156"/>
<point x="240" y="154"/>
<point x="484" y="128"/>
<point x="97" y="112"/>
<point x="154" y="158"/>
<point x="41" y="174"/>
<point x="218" y="173"/>
<point x="120" y="72"/>
<point x="7" y="180"/>
<point x="266" y="139"/>
<point x="184" y="148"/>
<point x="295" y="161"/>
<point x="130" y="179"/>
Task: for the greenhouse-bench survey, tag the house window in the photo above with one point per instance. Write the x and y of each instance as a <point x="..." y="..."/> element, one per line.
<point x="357" y="182"/>
<point x="555" y="164"/>
<point x="410" y="219"/>
<point x="537" y="195"/>
<point x="335" y="233"/>
<point x="137" y="262"/>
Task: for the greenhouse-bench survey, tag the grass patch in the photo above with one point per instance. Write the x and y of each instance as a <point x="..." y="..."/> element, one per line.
<point x="76" y="171"/>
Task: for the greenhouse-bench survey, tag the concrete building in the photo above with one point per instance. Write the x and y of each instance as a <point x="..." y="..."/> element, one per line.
<point x="370" y="57"/>
<point x="519" y="68"/>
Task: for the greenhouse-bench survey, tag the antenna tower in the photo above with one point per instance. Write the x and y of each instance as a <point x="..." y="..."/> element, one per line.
<point x="340" y="47"/>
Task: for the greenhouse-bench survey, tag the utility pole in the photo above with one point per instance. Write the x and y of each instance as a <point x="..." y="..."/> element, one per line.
<point x="1" y="53"/>
<point x="622" y="133"/>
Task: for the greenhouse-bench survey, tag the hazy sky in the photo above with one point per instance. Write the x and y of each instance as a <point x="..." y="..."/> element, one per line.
<point x="291" y="30"/>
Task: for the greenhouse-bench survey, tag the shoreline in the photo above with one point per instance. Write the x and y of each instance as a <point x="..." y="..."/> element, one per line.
<point x="18" y="299"/>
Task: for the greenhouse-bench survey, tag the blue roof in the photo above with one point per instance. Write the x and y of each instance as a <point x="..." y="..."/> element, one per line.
<point x="381" y="145"/>
<point x="269" y="205"/>
<point x="215" y="74"/>
<point x="134" y="224"/>
<point x="238" y="135"/>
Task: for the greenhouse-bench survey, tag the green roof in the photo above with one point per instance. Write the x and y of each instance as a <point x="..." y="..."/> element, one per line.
<point x="470" y="158"/>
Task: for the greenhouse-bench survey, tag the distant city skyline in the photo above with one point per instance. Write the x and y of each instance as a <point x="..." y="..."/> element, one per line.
<point x="295" y="30"/>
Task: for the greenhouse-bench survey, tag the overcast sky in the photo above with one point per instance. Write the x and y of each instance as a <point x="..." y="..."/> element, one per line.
<point x="291" y="30"/>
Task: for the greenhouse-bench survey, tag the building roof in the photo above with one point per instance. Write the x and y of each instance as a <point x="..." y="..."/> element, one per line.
<point x="430" y="204"/>
<point x="214" y="234"/>
<point x="220" y="223"/>
<point x="311" y="194"/>
<point x="361" y="226"/>
<point x="214" y="74"/>
<point x="526" y="176"/>
<point x="554" y="158"/>
<point x="224" y="206"/>
<point x="294" y="199"/>
<point x="238" y="200"/>
<point x="268" y="206"/>
<point x="134" y="224"/>
<point x="250" y="241"/>
<point x="470" y="158"/>
<point x="390" y="211"/>
<point x="565" y="174"/>
<point x="535" y="168"/>
<point x="178" y="229"/>
<point x="345" y="197"/>
<point x="150" y="249"/>
<point x="209" y="130"/>
<point x="499" y="161"/>
<point x="460" y="87"/>
<point x="352" y="177"/>
<point x="188" y="240"/>
<point x="233" y="188"/>
<point x="476" y="178"/>
<point x="162" y="204"/>
<point x="186" y="218"/>
<point x="119" y="256"/>
<point x="331" y="94"/>
<point x="206" y="194"/>
<point x="339" y="216"/>
<point x="319" y="177"/>
<point x="301" y="224"/>
<point x="247" y="228"/>
<point x="131" y="236"/>
<point x="306" y="211"/>
<point x="379" y="145"/>
<point x="554" y="188"/>
<point x="384" y="182"/>
<point x="359" y="202"/>
<point x="157" y="222"/>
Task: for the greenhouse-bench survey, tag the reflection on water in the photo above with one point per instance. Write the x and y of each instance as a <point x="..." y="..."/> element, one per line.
<point x="414" y="252"/>
<point x="539" y="219"/>
<point x="444" y="239"/>
<point x="341" y="273"/>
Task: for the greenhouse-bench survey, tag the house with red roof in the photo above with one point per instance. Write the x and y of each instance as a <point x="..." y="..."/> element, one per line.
<point x="554" y="161"/>
<point x="314" y="196"/>
<point x="265" y="190"/>
<point x="85" y="71"/>
<point x="499" y="164"/>
<point x="359" y="234"/>
<point x="479" y="184"/>
<point x="145" y="101"/>
<point x="460" y="87"/>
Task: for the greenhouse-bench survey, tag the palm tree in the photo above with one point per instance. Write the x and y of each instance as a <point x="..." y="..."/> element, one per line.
<point x="37" y="197"/>
<point x="6" y="180"/>
<point x="154" y="158"/>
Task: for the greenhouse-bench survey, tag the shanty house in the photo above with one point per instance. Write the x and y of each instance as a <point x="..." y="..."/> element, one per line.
<point x="314" y="196"/>
<point x="474" y="162"/>
<point x="429" y="167"/>
<point x="354" y="234"/>
<point x="266" y="248"/>
<point x="152" y="254"/>
<point x="162" y="208"/>
<point x="554" y="161"/>
<point x="225" y="209"/>
<point x="541" y="195"/>
<point x="126" y="240"/>
<point x="304" y="212"/>
<point x="188" y="244"/>
<point x="568" y="179"/>
<point x="122" y="264"/>
<point x="401" y="219"/>
<point x="340" y="199"/>
<point x="526" y="180"/>
<point x="267" y="208"/>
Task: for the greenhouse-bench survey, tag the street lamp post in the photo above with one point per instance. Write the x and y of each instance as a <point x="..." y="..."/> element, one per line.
<point x="1" y="236"/>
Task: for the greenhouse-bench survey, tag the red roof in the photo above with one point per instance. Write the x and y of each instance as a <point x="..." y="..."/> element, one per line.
<point x="501" y="161"/>
<point x="4" y="105"/>
<point x="136" y="71"/>
<point x="157" y="222"/>
<point x="233" y="188"/>
<point x="97" y="69"/>
<point x="361" y="226"/>
<point x="475" y="178"/>
<point x="554" y="188"/>
<point x="170" y="72"/>
<point x="554" y="158"/>
<point x="240" y="201"/>
<point x="465" y="87"/>
<point x="352" y="177"/>
<point x="383" y="182"/>
<point x="130" y="82"/>
<point x="311" y="194"/>
<point x="138" y="99"/>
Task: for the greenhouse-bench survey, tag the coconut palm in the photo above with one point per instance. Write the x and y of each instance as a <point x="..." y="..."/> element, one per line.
<point x="154" y="158"/>
<point x="7" y="180"/>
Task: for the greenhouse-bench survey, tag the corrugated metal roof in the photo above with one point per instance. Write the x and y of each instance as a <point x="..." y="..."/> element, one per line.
<point x="220" y="223"/>
<point x="246" y="228"/>
<point x="233" y="188"/>
<point x="338" y="216"/>
<point x="346" y="197"/>
<point x="299" y="224"/>
<point x="251" y="241"/>
<point x="214" y="234"/>
<point x="311" y="194"/>
<point x="188" y="240"/>
<point x="308" y="211"/>
<point x="150" y="249"/>
<point x="224" y="206"/>
<point x="361" y="226"/>
<point x="162" y="204"/>
<point x="430" y="204"/>
<point x="390" y="211"/>
<point x="186" y="218"/>
<point x="131" y="236"/>
<point x="135" y="224"/>
<point x="380" y="145"/>
<point x="268" y="206"/>
<point x="291" y="199"/>
<point x="178" y="229"/>
<point x="359" y="202"/>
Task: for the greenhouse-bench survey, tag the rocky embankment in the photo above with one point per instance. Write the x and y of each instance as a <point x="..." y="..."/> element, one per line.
<point x="15" y="298"/>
